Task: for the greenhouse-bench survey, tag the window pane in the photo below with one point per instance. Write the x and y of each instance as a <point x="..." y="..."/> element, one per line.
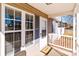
<point x="17" y="15"/>
<point x="29" y="37"/>
<point x="8" y="43"/>
<point x="9" y="13"/>
<point x="17" y="41"/>
<point x="9" y="24"/>
<point x="30" y="18"/>
<point x="27" y="17"/>
<point x="17" y="25"/>
<point x="27" y="25"/>
<point x="30" y="25"/>
<point x="43" y="33"/>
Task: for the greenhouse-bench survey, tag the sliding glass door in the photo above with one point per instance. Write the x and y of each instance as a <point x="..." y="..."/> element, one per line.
<point x="12" y="30"/>
<point x="18" y="29"/>
<point x="28" y="29"/>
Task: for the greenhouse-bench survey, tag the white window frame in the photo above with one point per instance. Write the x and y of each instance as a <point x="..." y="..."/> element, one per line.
<point x="22" y="27"/>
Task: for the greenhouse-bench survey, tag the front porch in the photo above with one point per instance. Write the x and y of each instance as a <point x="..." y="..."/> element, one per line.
<point x="30" y="30"/>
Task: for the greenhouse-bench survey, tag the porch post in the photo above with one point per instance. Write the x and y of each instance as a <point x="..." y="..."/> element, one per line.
<point x="74" y="33"/>
<point x="77" y="34"/>
<point x="2" y="34"/>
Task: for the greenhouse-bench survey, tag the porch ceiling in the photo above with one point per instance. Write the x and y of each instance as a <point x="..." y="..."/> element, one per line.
<point x="55" y="9"/>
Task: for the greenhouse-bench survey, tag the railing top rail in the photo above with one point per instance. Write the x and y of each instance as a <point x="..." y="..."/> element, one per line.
<point x="61" y="35"/>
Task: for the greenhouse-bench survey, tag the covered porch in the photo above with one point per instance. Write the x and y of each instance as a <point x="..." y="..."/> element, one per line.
<point x="38" y="29"/>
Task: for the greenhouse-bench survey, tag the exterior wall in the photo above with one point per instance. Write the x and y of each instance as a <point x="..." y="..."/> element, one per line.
<point x="55" y="27"/>
<point x="37" y="29"/>
<point x="50" y="26"/>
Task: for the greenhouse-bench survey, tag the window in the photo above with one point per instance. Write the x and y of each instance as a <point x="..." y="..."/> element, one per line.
<point x="29" y="21"/>
<point x="17" y="15"/>
<point x="17" y="25"/>
<point x="29" y="29"/>
<point x="29" y="37"/>
<point x="17" y="20"/>
<point x="9" y="13"/>
<point x="17" y="41"/>
<point x="9" y="24"/>
<point x="8" y="43"/>
<point x="44" y="29"/>
<point x="12" y="19"/>
<point x="12" y="23"/>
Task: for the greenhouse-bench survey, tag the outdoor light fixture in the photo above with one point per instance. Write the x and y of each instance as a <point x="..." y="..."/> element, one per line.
<point x="48" y="3"/>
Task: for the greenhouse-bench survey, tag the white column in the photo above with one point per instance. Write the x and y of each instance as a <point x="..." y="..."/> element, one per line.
<point x="78" y="34"/>
<point x="2" y="34"/>
<point x="74" y="33"/>
<point x="23" y="32"/>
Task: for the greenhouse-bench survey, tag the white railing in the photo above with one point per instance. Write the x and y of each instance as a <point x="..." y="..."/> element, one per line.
<point x="61" y="40"/>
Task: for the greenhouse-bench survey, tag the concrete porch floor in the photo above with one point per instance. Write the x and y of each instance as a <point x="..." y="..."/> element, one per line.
<point x="34" y="50"/>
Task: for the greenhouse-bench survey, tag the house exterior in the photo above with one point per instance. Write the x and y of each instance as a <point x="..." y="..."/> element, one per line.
<point x="24" y="27"/>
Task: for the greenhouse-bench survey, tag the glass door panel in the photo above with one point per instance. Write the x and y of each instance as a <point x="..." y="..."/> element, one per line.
<point x="29" y="21"/>
<point x="17" y="25"/>
<point x="17" y="41"/>
<point x="9" y="25"/>
<point x="17" y="15"/>
<point x="29" y="37"/>
<point x="8" y="43"/>
<point x="27" y="17"/>
<point x="9" y="13"/>
<point x="27" y="25"/>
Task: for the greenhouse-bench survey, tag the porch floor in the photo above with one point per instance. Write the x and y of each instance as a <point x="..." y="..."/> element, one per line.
<point x="34" y="50"/>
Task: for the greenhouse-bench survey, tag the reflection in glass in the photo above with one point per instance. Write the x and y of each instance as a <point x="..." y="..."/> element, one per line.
<point x="17" y="15"/>
<point x="29" y="37"/>
<point x="43" y="33"/>
<point x="27" y="25"/>
<point x="17" y="41"/>
<point x="31" y="26"/>
<point x="9" y="24"/>
<point x="8" y="43"/>
<point x="9" y="13"/>
<point x="29" y="21"/>
<point x="17" y="25"/>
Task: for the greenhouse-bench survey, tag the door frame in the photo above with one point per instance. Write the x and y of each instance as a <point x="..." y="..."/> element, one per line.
<point x="40" y="32"/>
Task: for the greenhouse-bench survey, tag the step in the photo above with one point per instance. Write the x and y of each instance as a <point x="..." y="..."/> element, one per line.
<point x="61" y="51"/>
<point x="58" y="46"/>
<point x="65" y="51"/>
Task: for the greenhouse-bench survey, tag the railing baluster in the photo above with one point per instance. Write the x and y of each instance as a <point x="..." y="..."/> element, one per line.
<point x="61" y="41"/>
<point x="64" y="40"/>
<point x="67" y="42"/>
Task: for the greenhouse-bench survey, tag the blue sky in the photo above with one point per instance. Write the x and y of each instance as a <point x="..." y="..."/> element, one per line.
<point x="67" y="19"/>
